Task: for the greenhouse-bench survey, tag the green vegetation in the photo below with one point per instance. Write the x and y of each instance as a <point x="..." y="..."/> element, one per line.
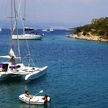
<point x="98" y="27"/>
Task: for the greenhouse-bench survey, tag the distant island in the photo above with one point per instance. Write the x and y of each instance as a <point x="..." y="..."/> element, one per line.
<point x="96" y="31"/>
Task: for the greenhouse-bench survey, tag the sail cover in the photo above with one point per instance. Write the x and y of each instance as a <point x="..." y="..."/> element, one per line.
<point x="6" y="56"/>
<point x="11" y="53"/>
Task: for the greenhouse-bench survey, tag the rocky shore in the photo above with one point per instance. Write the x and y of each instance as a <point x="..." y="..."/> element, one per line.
<point x="86" y="37"/>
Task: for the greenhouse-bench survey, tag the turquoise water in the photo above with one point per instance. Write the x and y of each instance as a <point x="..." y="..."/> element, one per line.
<point x="77" y="75"/>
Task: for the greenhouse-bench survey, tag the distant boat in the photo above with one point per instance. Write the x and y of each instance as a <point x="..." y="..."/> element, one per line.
<point x="28" y="36"/>
<point x="28" y="29"/>
<point x="48" y="30"/>
<point x="0" y="29"/>
<point x="45" y="30"/>
<point x="51" y="29"/>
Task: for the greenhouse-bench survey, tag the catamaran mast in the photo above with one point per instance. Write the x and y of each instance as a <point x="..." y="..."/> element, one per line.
<point x="16" y="15"/>
<point x="11" y="50"/>
<point x="23" y="19"/>
<point x="11" y="23"/>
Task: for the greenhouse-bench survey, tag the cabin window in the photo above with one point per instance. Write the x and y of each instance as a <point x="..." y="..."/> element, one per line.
<point x="18" y="66"/>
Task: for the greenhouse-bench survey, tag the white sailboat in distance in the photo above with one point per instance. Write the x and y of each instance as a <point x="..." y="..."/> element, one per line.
<point x="27" y="35"/>
<point x="15" y="67"/>
<point x="51" y="29"/>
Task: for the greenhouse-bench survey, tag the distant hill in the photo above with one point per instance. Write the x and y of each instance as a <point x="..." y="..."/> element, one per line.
<point x="98" y="27"/>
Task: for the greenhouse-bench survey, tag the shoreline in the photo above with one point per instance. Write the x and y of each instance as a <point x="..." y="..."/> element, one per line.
<point x="89" y="38"/>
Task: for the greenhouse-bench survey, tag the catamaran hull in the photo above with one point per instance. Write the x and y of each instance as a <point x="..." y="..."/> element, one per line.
<point x="6" y="76"/>
<point x="27" y="76"/>
<point x="34" y="75"/>
<point x="27" y="36"/>
<point x="3" y="77"/>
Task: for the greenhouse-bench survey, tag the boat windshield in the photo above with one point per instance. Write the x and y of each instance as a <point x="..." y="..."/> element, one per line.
<point x="18" y="66"/>
<point x="33" y="33"/>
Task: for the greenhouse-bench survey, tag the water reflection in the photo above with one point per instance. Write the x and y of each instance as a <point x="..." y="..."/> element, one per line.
<point x="24" y="105"/>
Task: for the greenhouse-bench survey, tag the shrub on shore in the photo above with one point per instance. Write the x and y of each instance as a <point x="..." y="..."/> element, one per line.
<point x="98" y="27"/>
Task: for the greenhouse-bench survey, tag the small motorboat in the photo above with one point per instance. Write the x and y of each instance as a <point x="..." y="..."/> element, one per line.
<point x="34" y="100"/>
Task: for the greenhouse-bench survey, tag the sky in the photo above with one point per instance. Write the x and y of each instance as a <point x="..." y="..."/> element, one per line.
<point x="55" y="13"/>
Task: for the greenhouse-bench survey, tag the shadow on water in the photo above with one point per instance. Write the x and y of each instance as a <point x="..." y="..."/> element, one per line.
<point x="36" y="80"/>
<point x="11" y="80"/>
<point x="19" y="80"/>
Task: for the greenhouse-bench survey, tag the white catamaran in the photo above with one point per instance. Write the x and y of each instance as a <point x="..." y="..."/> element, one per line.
<point x="15" y="67"/>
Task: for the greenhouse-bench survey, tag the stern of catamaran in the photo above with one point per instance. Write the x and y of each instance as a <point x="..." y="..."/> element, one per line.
<point x="6" y="67"/>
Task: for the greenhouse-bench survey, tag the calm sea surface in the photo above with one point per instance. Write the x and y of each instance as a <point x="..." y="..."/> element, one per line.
<point x="77" y="75"/>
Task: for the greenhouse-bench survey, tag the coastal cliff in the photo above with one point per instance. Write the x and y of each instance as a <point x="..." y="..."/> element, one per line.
<point x="96" y="31"/>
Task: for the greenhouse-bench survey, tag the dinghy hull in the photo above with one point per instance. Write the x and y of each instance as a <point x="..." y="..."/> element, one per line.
<point x="34" y="100"/>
